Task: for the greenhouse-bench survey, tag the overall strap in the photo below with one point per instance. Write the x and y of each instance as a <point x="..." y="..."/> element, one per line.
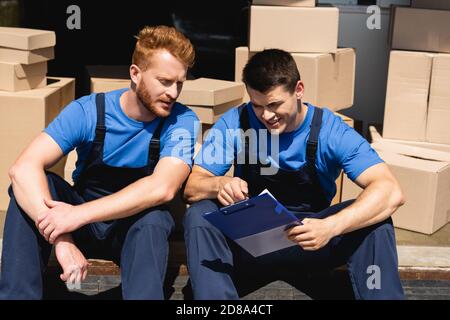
<point x="244" y="126"/>
<point x="155" y="148"/>
<point x="313" y="140"/>
<point x="100" y="129"/>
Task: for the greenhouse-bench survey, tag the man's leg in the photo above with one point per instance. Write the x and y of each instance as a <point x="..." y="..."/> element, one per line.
<point x="25" y="252"/>
<point x="209" y="257"/>
<point x="372" y="262"/>
<point x="371" y="257"/>
<point x="144" y="254"/>
<point x="370" y="254"/>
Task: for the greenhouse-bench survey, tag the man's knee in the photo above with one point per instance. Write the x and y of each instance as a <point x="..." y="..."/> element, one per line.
<point x="194" y="214"/>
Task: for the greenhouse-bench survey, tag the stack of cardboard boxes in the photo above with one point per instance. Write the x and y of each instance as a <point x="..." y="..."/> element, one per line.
<point x="310" y="34"/>
<point x="23" y="58"/>
<point x="28" y="99"/>
<point x="416" y="132"/>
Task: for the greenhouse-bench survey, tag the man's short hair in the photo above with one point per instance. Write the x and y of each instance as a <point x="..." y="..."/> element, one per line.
<point x="271" y="68"/>
<point x="151" y="39"/>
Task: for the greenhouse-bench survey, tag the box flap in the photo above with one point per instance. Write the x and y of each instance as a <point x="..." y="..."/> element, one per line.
<point x="400" y="160"/>
<point x="421" y="29"/>
<point x="416" y="152"/>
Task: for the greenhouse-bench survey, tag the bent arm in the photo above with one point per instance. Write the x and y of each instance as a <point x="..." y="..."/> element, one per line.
<point x="380" y="198"/>
<point x="28" y="177"/>
<point x="151" y="191"/>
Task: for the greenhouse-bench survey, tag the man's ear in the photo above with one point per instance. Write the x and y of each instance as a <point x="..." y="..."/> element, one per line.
<point x="299" y="90"/>
<point x="135" y="74"/>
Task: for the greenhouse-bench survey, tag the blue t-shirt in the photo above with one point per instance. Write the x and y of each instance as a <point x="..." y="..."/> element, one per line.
<point x="339" y="147"/>
<point x="126" y="140"/>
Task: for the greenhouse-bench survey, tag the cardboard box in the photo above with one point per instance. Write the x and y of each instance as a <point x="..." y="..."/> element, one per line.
<point x="23" y="115"/>
<point x="26" y="39"/>
<point x="210" y="92"/>
<point x="108" y="84"/>
<point x="209" y="115"/>
<point x="405" y="114"/>
<point x="16" y="77"/>
<point x="338" y="196"/>
<point x="210" y="98"/>
<point x="431" y="4"/>
<point x="70" y="166"/>
<point x="420" y="29"/>
<point x="285" y="3"/>
<point x="26" y="57"/>
<point x="425" y="184"/>
<point x="411" y="151"/>
<point x="294" y="29"/>
<point x="438" y="128"/>
<point x="417" y="99"/>
<point x="416" y="144"/>
<point x="329" y="78"/>
<point x="419" y="144"/>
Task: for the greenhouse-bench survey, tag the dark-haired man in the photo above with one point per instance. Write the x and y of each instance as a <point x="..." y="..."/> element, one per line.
<point x="300" y="154"/>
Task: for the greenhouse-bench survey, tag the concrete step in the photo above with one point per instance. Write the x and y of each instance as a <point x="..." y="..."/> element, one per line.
<point x="415" y="262"/>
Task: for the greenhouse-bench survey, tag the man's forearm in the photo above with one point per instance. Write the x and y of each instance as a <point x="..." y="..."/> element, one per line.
<point x="140" y="195"/>
<point x="376" y="203"/>
<point x="203" y="187"/>
<point x="30" y="187"/>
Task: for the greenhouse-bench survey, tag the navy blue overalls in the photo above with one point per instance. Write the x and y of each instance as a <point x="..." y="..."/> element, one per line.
<point x="220" y="269"/>
<point x="138" y="243"/>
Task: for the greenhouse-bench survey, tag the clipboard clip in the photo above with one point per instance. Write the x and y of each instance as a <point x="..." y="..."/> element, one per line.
<point x="238" y="206"/>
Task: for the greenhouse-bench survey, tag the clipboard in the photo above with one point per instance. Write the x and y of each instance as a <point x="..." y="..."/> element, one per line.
<point x="257" y="224"/>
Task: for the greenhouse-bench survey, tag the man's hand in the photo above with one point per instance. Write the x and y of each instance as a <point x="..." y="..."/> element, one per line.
<point x="59" y="219"/>
<point x="72" y="261"/>
<point x="232" y="190"/>
<point x="313" y="235"/>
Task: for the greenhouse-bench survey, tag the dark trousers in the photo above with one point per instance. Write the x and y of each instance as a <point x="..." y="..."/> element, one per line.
<point x="139" y="244"/>
<point x="220" y="269"/>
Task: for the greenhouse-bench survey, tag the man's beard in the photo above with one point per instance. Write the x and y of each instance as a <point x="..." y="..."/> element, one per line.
<point x="144" y="97"/>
